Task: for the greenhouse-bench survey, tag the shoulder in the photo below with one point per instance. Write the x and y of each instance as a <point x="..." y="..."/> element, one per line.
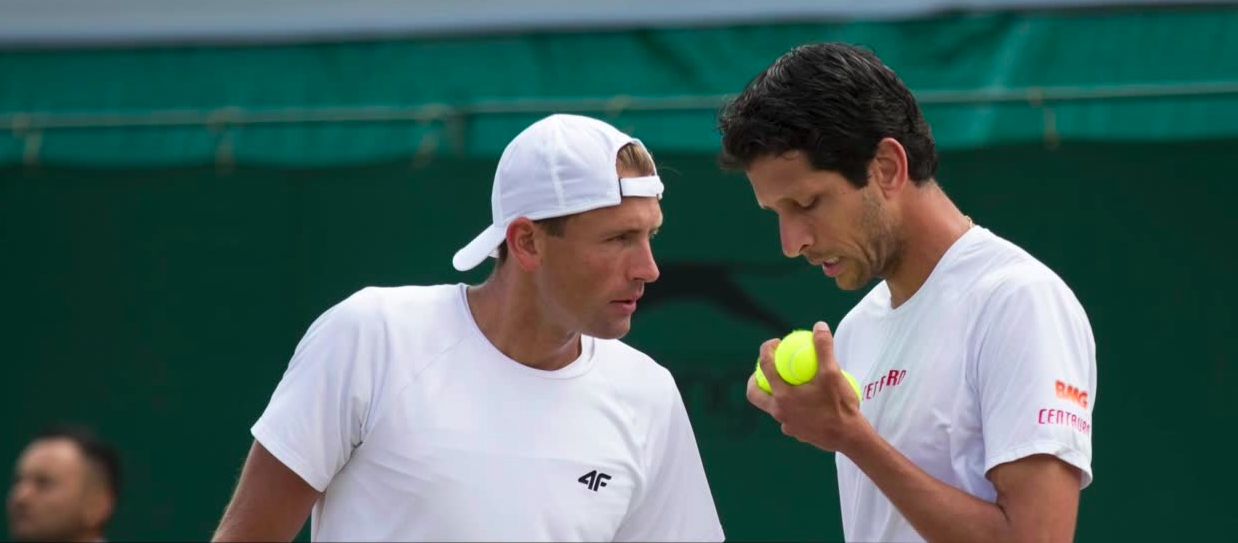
<point x="1006" y="273"/>
<point x="376" y="322"/>
<point x="377" y="304"/>
<point x="1013" y="293"/>
<point x="396" y="309"/>
<point x="634" y="375"/>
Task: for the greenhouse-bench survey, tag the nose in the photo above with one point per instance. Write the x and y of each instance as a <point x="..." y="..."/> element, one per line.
<point x="643" y="268"/>
<point x="795" y="236"/>
<point x="20" y="493"/>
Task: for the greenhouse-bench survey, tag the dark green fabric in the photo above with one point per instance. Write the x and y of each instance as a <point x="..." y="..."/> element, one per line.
<point x="161" y="306"/>
<point x="1185" y="59"/>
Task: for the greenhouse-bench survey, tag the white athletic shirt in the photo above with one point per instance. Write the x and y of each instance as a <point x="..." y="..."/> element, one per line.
<point x="992" y="360"/>
<point x="416" y="428"/>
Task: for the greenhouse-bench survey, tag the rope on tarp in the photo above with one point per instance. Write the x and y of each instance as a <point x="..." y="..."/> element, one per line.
<point x="231" y="117"/>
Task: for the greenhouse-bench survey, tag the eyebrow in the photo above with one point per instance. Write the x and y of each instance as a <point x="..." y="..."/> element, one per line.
<point x="786" y="199"/>
<point x="794" y="196"/>
<point x="632" y="230"/>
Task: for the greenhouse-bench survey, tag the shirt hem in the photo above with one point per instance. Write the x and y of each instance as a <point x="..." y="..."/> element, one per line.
<point x="290" y="459"/>
<point x="1063" y="452"/>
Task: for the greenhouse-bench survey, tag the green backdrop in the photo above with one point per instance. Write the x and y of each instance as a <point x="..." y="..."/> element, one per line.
<point x="989" y="79"/>
<point x="161" y="307"/>
<point x="171" y="220"/>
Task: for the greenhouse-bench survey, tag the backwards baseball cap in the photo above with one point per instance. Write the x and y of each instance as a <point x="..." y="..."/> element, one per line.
<point x="561" y="165"/>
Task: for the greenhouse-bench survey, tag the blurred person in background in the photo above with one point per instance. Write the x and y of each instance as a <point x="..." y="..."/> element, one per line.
<point x="65" y="488"/>
<point x="976" y="363"/>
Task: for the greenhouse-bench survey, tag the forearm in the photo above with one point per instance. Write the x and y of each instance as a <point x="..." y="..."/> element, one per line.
<point x="252" y="522"/>
<point x="938" y="511"/>
<point x="271" y="502"/>
<point x="237" y="528"/>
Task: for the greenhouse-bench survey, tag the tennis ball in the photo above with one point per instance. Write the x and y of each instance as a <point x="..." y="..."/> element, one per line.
<point x="854" y="385"/>
<point x="796" y="362"/>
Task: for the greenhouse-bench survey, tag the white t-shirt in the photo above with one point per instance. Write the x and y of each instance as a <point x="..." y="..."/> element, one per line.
<point x="416" y="428"/>
<point x="992" y="360"/>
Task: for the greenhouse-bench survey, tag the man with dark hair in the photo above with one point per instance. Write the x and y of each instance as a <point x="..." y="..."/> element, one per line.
<point x="976" y="362"/>
<point x="65" y="488"/>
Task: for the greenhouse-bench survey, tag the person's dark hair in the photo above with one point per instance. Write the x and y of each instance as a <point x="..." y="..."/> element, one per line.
<point x="833" y="102"/>
<point x="101" y="455"/>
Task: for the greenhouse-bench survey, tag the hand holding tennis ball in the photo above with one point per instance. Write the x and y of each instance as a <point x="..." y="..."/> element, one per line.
<point x="818" y="410"/>
<point x="796" y="362"/>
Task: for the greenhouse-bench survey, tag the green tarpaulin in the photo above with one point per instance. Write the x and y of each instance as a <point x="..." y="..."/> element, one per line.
<point x="992" y="79"/>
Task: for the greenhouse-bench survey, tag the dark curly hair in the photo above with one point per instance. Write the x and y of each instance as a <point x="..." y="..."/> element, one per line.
<point x="833" y="102"/>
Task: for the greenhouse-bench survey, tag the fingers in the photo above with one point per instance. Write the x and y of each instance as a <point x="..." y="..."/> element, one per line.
<point x="768" y="348"/>
<point x="758" y="397"/>
<point x="776" y="384"/>
<point x="823" y="341"/>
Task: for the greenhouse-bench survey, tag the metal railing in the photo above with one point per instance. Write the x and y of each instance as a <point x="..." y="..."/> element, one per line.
<point x="26" y="122"/>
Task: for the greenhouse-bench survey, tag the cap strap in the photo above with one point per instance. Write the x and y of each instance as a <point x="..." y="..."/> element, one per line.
<point x="648" y="186"/>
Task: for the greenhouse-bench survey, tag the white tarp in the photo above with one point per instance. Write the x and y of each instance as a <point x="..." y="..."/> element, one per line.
<point x="70" y="23"/>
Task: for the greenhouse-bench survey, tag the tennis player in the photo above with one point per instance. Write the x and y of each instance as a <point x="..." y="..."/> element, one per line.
<point x="507" y="411"/>
<point x="976" y="362"/>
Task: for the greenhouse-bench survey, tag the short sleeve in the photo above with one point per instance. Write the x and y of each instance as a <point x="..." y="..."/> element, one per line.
<point x="674" y="503"/>
<point x="317" y="414"/>
<point x="1036" y="376"/>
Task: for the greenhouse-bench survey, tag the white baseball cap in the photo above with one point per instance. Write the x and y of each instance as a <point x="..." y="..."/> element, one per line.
<point x="560" y="165"/>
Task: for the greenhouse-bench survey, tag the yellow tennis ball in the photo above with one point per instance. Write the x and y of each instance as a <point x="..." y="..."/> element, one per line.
<point x="762" y="382"/>
<point x="796" y="362"/>
<point x="795" y="358"/>
<point x="854" y="385"/>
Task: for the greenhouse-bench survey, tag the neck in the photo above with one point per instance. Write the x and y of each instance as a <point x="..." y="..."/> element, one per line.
<point x="507" y="310"/>
<point x="931" y="223"/>
<point x="88" y="537"/>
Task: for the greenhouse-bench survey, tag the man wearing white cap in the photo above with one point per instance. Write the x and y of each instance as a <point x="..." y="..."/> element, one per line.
<point x="506" y="411"/>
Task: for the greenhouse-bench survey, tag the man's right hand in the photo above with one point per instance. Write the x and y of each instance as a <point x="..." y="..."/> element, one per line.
<point x="823" y="412"/>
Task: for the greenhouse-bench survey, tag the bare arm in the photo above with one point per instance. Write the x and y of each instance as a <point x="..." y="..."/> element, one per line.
<point x="1037" y="496"/>
<point x="271" y="502"/>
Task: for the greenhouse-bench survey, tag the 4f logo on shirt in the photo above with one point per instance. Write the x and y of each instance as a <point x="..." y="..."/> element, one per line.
<point x="593" y="480"/>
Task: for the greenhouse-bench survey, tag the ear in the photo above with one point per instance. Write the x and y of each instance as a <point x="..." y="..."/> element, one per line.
<point x="523" y="246"/>
<point x="98" y="508"/>
<point x="888" y="169"/>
